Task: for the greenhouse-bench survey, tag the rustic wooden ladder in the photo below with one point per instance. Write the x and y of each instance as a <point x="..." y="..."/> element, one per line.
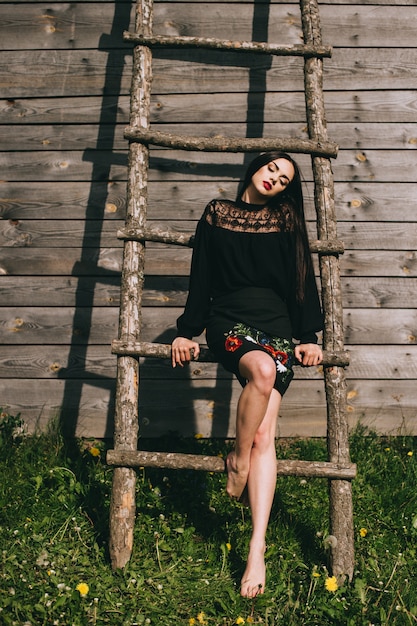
<point x="128" y="348"/>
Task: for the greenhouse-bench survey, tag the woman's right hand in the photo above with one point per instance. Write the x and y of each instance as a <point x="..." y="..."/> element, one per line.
<point x="183" y="351"/>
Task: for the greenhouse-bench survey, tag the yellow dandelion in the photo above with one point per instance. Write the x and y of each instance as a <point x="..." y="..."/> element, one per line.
<point x="83" y="589"/>
<point x="387" y="449"/>
<point x="363" y="532"/>
<point x="229" y="546"/>
<point x="410" y="453"/>
<point x="191" y="621"/>
<point x="239" y="620"/>
<point x="201" y="618"/>
<point x="94" y="451"/>
<point x="198" y="436"/>
<point x="331" y="583"/>
<point x="316" y="575"/>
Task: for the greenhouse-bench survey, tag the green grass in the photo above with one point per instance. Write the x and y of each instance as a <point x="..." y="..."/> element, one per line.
<point x="191" y="540"/>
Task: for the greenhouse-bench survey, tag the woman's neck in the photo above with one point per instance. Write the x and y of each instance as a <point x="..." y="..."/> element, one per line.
<point x="251" y="197"/>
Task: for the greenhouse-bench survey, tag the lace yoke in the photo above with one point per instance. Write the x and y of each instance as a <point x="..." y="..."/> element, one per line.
<point x="249" y="218"/>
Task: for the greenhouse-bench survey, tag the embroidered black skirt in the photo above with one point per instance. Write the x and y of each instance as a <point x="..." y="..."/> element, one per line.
<point x="229" y="341"/>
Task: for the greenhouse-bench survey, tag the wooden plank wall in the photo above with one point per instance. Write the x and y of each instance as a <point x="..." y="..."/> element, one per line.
<point x="64" y="85"/>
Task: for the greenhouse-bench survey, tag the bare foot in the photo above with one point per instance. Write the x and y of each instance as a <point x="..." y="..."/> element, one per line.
<point x="253" y="579"/>
<point x="236" y="480"/>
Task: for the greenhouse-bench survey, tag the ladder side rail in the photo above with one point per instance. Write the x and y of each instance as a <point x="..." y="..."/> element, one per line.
<point x="341" y="509"/>
<point x="123" y="506"/>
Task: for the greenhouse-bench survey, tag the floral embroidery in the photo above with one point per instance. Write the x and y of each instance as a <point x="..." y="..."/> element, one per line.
<point x="281" y="350"/>
<point x="233" y="343"/>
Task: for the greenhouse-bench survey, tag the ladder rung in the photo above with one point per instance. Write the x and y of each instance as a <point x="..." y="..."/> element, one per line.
<point x="163" y="351"/>
<point x="175" y="460"/>
<point x="231" y="144"/>
<point x="260" y="47"/>
<point x="327" y="246"/>
<point x="157" y="235"/>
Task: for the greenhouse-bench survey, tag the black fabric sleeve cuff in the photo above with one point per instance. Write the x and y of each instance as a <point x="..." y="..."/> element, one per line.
<point x="184" y="333"/>
<point x="309" y="338"/>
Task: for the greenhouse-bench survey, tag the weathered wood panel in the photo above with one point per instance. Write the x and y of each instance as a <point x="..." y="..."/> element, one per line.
<point x="78" y="233"/>
<point x="75" y="137"/>
<point x="100" y="165"/>
<point x="75" y="361"/>
<point x="65" y="82"/>
<point x="356" y="201"/>
<point x="65" y="110"/>
<point x="209" y="2"/>
<point x="101" y="285"/>
<point x="106" y="266"/>
<point x="205" y="408"/>
<point x="24" y="326"/>
<point x="75" y="25"/>
<point x="342" y="106"/>
<point x="160" y="291"/>
<point x="29" y="325"/>
<point x="81" y="25"/>
<point x="86" y="72"/>
<point x="67" y="291"/>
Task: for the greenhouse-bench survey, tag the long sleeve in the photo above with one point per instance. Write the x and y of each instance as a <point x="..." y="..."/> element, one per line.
<point x="307" y="318"/>
<point x="239" y="246"/>
<point x="192" y="322"/>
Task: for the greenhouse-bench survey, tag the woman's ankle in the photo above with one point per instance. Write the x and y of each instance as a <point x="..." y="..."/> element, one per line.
<point x="257" y="545"/>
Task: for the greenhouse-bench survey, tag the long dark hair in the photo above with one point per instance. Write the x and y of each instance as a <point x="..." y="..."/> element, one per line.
<point x="292" y="196"/>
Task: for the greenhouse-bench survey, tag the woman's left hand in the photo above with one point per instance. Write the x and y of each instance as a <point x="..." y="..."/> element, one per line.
<point x="308" y="354"/>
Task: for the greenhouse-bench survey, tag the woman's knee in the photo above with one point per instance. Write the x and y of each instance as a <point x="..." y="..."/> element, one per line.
<point x="264" y="438"/>
<point x="259" y="369"/>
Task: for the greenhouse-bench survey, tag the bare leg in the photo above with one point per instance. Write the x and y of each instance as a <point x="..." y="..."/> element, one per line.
<point x="259" y="369"/>
<point x="261" y="487"/>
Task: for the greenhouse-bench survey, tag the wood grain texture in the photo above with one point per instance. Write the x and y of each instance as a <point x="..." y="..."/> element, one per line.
<point x="384" y="406"/>
<point x="98" y="166"/>
<point x="84" y="72"/>
<point x="79" y="26"/>
<point x="64" y="85"/>
<point x="343" y="106"/>
<point x="171" y="200"/>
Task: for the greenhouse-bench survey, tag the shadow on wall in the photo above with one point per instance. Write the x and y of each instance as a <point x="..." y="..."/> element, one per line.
<point x="168" y="397"/>
<point x="87" y="271"/>
<point x="90" y="275"/>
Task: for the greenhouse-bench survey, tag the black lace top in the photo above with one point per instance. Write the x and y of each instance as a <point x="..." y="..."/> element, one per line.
<point x="243" y="268"/>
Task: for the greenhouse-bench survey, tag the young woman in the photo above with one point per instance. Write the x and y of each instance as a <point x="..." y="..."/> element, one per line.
<point x="253" y="289"/>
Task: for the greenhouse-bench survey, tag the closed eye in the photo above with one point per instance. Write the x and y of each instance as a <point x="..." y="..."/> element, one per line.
<point x="283" y="178"/>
